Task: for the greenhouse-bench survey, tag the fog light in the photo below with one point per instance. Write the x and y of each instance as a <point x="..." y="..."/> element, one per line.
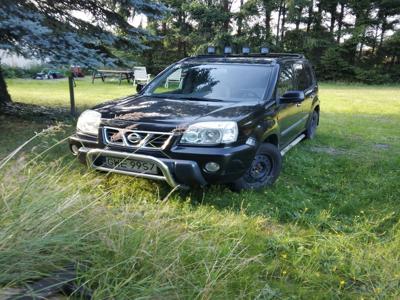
<point x="75" y="149"/>
<point x="212" y="166"/>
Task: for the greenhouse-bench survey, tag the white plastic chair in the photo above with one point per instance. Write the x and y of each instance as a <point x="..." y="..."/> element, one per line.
<point x="175" y="77"/>
<point x="140" y="75"/>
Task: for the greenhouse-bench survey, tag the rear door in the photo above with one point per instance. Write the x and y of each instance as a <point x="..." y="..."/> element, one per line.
<point x="290" y="115"/>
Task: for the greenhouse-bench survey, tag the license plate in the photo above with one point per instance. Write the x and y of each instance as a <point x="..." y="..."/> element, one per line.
<point x="133" y="165"/>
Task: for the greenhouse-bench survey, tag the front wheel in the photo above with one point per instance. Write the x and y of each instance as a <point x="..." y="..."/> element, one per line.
<point x="264" y="169"/>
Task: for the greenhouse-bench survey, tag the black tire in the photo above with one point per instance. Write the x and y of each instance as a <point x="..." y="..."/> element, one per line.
<point x="264" y="170"/>
<point x="312" y="125"/>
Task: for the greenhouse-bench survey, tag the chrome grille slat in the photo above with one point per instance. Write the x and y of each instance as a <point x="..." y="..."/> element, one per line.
<point x="154" y="140"/>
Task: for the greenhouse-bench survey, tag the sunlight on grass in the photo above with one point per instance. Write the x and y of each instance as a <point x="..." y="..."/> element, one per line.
<point x="56" y="92"/>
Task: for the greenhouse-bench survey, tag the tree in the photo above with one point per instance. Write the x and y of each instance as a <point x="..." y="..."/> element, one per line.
<point x="49" y="29"/>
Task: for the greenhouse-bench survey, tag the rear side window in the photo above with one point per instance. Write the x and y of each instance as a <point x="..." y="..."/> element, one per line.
<point x="286" y="80"/>
<point x="303" y="76"/>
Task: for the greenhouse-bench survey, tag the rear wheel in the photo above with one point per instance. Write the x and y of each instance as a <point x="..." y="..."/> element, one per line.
<point x="312" y="125"/>
<point x="264" y="169"/>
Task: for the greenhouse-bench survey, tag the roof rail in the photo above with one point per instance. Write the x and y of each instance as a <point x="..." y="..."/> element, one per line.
<point x="297" y="55"/>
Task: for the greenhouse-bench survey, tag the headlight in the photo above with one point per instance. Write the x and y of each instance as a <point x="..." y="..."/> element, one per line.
<point x="89" y="122"/>
<point x="210" y="133"/>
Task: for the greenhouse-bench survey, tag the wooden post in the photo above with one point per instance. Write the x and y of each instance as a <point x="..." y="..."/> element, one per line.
<point x="71" y="94"/>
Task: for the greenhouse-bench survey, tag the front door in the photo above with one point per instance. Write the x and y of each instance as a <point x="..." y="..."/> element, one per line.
<point x="304" y="81"/>
<point x="290" y="115"/>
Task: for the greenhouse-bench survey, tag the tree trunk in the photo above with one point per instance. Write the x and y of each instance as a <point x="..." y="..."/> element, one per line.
<point x="340" y="23"/>
<point x="4" y="95"/>
<point x="360" y="53"/>
<point x="267" y="22"/>
<point x="375" y="40"/>
<point x="298" y="19"/>
<point x="310" y="17"/>
<point x="283" y="22"/>
<point x="227" y="9"/>
<point x="333" y="20"/>
<point x="240" y="20"/>
<point x="318" y="17"/>
<point x="278" y="24"/>
<point x="383" y="30"/>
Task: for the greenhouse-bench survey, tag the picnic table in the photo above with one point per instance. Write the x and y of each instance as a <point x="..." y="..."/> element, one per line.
<point x="122" y="74"/>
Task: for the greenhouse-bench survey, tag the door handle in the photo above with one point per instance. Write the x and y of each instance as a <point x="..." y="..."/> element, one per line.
<point x="298" y="104"/>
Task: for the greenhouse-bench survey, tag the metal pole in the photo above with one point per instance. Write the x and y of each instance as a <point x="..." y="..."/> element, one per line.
<point x="71" y="94"/>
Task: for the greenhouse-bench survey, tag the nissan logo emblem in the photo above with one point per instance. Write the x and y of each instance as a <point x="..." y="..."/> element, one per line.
<point x="134" y="138"/>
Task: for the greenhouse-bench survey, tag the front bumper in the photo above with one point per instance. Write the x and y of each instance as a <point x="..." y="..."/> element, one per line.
<point x="186" y="172"/>
<point x="178" y="165"/>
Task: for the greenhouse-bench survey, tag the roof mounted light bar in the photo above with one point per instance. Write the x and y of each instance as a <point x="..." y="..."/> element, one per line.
<point x="210" y="50"/>
<point x="246" y="51"/>
<point x="227" y="50"/>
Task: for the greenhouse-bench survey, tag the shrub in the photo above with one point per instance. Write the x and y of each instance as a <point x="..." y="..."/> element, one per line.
<point x="372" y="76"/>
<point x="17" y="72"/>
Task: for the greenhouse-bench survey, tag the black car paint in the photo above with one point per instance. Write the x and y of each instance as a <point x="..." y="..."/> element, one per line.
<point x="262" y="121"/>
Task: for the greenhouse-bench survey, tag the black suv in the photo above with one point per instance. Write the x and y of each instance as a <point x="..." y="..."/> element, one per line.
<point x="206" y="120"/>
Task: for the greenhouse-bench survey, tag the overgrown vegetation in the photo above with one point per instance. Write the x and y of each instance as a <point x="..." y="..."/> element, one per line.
<point x="328" y="229"/>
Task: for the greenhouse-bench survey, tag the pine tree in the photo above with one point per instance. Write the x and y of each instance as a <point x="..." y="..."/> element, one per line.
<point x="49" y="29"/>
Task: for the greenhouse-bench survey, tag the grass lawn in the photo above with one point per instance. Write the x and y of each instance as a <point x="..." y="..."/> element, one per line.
<point x="56" y="92"/>
<point x="328" y="229"/>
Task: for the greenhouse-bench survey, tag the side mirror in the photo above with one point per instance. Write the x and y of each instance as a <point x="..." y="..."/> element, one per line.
<point x="292" y="97"/>
<point x="139" y="87"/>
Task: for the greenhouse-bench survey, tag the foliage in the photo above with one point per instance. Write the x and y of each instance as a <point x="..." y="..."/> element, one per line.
<point x="358" y="30"/>
<point x="333" y="66"/>
<point x="328" y="229"/>
<point x="51" y="30"/>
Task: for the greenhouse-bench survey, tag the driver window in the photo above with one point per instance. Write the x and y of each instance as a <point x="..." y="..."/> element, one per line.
<point x="303" y="77"/>
<point x="285" y="82"/>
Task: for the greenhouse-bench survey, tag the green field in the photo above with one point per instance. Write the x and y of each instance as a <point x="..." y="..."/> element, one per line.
<point x="328" y="229"/>
<point x="56" y="92"/>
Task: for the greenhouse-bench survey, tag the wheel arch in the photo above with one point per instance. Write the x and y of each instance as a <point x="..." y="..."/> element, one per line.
<point x="316" y="108"/>
<point x="272" y="139"/>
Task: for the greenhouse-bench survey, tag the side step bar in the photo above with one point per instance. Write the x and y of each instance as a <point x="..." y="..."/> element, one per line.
<point x="292" y="144"/>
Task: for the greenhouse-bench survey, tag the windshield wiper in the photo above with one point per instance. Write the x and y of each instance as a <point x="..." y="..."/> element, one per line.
<point x="179" y="97"/>
<point x="191" y="98"/>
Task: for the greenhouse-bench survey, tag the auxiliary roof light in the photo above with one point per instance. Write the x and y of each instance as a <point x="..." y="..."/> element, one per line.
<point x="210" y="50"/>
<point x="264" y="50"/>
<point x="246" y="50"/>
<point x="228" y="50"/>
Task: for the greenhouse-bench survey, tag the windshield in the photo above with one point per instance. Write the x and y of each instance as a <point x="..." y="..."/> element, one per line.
<point x="212" y="82"/>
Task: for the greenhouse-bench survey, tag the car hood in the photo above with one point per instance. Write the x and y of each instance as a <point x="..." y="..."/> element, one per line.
<point x="171" y="112"/>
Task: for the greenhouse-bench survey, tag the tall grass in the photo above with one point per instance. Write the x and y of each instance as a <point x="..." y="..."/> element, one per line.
<point x="130" y="243"/>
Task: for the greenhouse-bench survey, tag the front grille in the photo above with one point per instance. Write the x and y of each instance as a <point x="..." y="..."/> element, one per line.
<point x="136" y="138"/>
